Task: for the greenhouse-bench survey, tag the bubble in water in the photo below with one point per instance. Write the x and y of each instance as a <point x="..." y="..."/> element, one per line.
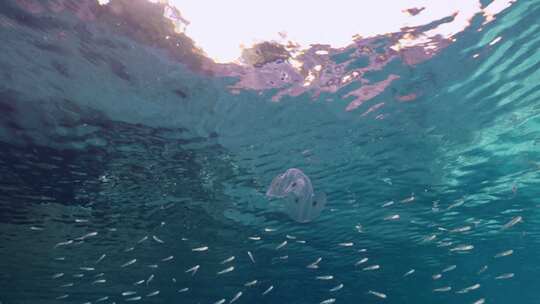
<point x="301" y="204"/>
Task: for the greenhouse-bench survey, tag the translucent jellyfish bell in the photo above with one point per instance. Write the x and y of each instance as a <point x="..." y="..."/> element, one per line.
<point x="301" y="204"/>
<point x="293" y="180"/>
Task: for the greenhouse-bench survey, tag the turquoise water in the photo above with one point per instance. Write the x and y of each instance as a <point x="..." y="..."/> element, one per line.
<point x="114" y="148"/>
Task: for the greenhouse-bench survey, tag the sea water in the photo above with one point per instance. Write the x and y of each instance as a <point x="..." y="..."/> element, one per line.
<point x="134" y="171"/>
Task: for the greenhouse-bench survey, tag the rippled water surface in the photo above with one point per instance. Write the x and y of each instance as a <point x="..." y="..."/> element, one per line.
<point x="133" y="170"/>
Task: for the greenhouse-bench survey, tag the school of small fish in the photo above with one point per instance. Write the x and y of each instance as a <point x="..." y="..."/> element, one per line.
<point x="144" y="277"/>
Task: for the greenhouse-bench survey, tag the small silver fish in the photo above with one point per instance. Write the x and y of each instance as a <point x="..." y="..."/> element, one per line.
<point x="185" y="289"/>
<point x="130" y="262"/>
<point x="442" y="289"/>
<point x="128" y="293"/>
<point x="328" y="301"/>
<point x="504" y="253"/>
<point x="153" y="266"/>
<point x="436" y="276"/>
<point x="63" y="243"/>
<point x="255" y="238"/>
<point x="281" y="245"/>
<point x="143" y="239"/>
<point x="461" y="229"/>
<point x="100" y="281"/>
<point x="378" y="294"/>
<point x="283" y="257"/>
<point x="221" y="301"/>
<point x="70" y="284"/>
<point x="199" y="249"/>
<point x="504" y="276"/>
<point x="193" y="269"/>
<point x="102" y="299"/>
<point x="430" y="238"/>
<point x="251" y="257"/>
<point x="315" y="264"/>
<point x="457" y="204"/>
<point x="290" y="237"/>
<point x="129" y="249"/>
<point x="153" y="293"/>
<point x="449" y="268"/>
<point x="362" y="261"/>
<point x="338" y="287"/>
<point x="250" y="283"/>
<point x="157" y="239"/>
<point x="390" y="203"/>
<point x="325" y="277"/>
<point x="87" y="268"/>
<point x="62" y="297"/>
<point x="373" y="267"/>
<point x="512" y="222"/>
<point x="462" y="248"/>
<point x="99" y="275"/>
<point x="392" y="217"/>
<point x="269" y="229"/>
<point x="408" y="273"/>
<point x="167" y="258"/>
<point x="36" y="228"/>
<point x="78" y="275"/>
<point x="57" y="275"/>
<point x="139" y="282"/>
<point x="137" y="298"/>
<point x="409" y="199"/>
<point x="101" y="258"/>
<point x="227" y="260"/>
<point x="226" y="270"/>
<point x="91" y="234"/>
<point x="444" y="244"/>
<point x="348" y="244"/>
<point x="150" y="278"/>
<point x="268" y="290"/>
<point x="470" y="288"/>
<point x="480" y="301"/>
<point x="301" y="242"/>
<point x="236" y="297"/>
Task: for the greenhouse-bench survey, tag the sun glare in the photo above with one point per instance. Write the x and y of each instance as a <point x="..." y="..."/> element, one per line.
<point x="223" y="28"/>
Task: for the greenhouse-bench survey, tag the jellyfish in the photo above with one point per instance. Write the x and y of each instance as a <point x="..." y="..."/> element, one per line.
<point x="301" y="203"/>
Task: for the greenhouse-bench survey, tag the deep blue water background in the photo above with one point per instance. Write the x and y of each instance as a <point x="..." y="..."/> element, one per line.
<point x="116" y="151"/>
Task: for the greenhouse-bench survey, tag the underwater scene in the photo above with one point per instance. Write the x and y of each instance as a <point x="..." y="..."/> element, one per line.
<point x="269" y="152"/>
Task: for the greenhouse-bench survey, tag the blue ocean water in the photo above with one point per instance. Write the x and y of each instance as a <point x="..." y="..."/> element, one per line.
<point x="122" y="168"/>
